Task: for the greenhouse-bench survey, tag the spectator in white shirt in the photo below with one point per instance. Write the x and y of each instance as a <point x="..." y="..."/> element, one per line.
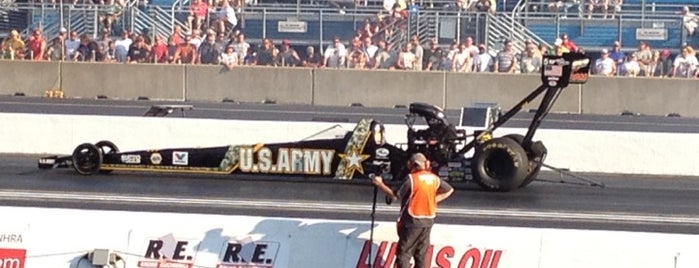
<point x="72" y="45"/>
<point x="605" y="65"/>
<point x="335" y="55"/>
<point x="483" y="62"/>
<point x="690" y="20"/>
<point x="685" y="65"/>
<point x="229" y="58"/>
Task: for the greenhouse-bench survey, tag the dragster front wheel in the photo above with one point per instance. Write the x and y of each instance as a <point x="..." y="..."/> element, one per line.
<point x="87" y="159"/>
<point x="500" y="164"/>
<point x="107" y="147"/>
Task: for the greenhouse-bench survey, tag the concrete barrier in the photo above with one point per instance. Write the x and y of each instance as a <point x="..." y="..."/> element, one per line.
<point x="378" y="88"/>
<point x="123" y="81"/>
<point x="60" y="238"/>
<point x="504" y="89"/>
<point x="650" y="96"/>
<point x="374" y="88"/>
<point x="29" y="77"/>
<point x="284" y="85"/>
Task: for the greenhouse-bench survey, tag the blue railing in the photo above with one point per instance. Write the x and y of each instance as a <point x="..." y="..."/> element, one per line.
<point x="597" y="33"/>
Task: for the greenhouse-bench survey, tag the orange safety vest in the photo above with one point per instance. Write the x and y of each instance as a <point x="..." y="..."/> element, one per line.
<point x="422" y="202"/>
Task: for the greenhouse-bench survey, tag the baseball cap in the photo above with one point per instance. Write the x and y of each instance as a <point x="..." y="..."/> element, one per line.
<point x="63" y="30"/>
<point x="419" y="159"/>
<point x="605" y="51"/>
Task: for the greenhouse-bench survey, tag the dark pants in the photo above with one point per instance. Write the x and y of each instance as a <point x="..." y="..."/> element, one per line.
<point x="413" y="243"/>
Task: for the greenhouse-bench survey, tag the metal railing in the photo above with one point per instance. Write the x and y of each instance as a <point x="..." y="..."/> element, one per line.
<point x="323" y="23"/>
<point x="154" y="19"/>
<point x="505" y="27"/>
<point x="83" y="18"/>
<point x="650" y="15"/>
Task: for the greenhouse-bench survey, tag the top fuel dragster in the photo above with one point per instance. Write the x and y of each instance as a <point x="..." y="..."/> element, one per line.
<point x="497" y="164"/>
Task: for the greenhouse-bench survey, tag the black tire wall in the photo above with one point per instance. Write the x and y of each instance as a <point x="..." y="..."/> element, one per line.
<point x="500" y="164"/>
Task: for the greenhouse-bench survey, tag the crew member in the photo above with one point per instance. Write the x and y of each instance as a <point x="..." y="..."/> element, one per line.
<point x="419" y="194"/>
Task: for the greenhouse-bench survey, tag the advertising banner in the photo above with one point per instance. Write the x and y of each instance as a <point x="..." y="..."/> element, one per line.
<point x="67" y="238"/>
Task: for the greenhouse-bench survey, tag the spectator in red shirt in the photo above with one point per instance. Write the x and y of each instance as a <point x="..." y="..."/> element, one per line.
<point x="160" y="50"/>
<point x="569" y="44"/>
<point x="186" y="53"/>
<point x="36" y="45"/>
<point x="176" y="35"/>
<point x="197" y="14"/>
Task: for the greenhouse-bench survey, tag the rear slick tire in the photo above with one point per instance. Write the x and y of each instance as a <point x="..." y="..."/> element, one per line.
<point x="500" y="165"/>
<point x="87" y="159"/>
<point x="536" y="154"/>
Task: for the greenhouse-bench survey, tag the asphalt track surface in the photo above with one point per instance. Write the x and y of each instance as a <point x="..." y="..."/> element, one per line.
<point x="257" y="111"/>
<point x="627" y="202"/>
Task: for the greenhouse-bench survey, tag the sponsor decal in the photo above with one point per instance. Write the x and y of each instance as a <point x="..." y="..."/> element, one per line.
<point x="353" y="159"/>
<point x="47" y="161"/>
<point x="131" y="159"/>
<point x="382" y="153"/>
<point x="454" y="164"/>
<point x="156" y="158"/>
<point x="180" y="158"/>
<point x="12" y="258"/>
<point x="169" y="252"/>
<point x="443" y="171"/>
<point x="439" y="256"/>
<point x="287" y="161"/>
<point x="249" y="254"/>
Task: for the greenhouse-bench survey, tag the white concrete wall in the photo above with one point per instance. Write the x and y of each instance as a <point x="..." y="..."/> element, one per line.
<point x="577" y="150"/>
<point x="58" y="238"/>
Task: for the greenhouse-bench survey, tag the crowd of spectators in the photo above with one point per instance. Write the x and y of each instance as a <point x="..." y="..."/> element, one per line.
<point x="579" y="8"/>
<point x="217" y="40"/>
<point x="216" y="48"/>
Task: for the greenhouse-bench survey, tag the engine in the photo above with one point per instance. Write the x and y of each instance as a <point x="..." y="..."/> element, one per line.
<point x="440" y="140"/>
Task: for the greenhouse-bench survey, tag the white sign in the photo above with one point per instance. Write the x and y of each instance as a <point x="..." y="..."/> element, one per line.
<point x="651" y="34"/>
<point x="292" y="27"/>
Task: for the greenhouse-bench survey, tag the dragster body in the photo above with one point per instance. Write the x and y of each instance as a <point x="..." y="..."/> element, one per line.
<point x="497" y="163"/>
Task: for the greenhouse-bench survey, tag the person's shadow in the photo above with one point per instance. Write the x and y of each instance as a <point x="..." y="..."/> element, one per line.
<point x="300" y="243"/>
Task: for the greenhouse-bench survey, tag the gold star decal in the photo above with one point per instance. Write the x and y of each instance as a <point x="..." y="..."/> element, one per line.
<point x="353" y="159"/>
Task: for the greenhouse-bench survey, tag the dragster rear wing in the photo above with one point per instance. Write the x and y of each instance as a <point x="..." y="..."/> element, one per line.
<point x="556" y="73"/>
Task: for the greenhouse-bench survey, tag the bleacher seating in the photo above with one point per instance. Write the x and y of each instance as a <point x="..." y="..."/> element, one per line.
<point x="12" y="20"/>
<point x="506" y="5"/>
<point x="599" y="33"/>
<point x="597" y="37"/>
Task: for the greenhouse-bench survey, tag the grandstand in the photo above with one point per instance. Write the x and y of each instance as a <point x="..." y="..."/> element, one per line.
<point x="325" y="19"/>
<point x="658" y="19"/>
